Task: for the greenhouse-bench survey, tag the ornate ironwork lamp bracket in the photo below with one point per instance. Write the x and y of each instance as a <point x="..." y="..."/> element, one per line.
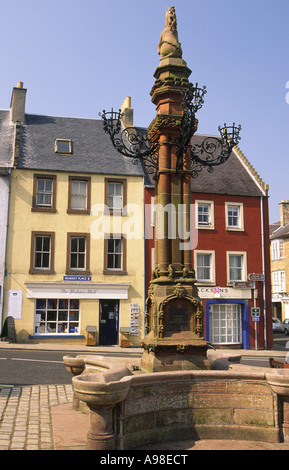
<point x="214" y="151"/>
<point x="131" y="142"/>
<point x="193" y="100"/>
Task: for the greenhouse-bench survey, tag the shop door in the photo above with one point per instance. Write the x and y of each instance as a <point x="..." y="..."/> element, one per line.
<point x="108" y="322"/>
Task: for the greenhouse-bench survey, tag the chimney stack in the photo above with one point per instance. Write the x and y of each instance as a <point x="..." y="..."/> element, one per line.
<point x="127" y="112"/>
<point x="17" y="104"/>
<point x="284" y="212"/>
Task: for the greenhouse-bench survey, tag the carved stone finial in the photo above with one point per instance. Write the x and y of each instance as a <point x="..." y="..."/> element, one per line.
<point x="169" y="45"/>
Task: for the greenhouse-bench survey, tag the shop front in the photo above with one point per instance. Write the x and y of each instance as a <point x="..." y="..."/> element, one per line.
<point x="226" y="316"/>
<point x="68" y="311"/>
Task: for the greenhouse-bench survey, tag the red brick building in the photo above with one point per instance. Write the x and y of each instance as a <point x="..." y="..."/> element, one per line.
<point x="230" y="214"/>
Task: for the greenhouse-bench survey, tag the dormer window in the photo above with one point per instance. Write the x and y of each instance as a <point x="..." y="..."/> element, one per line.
<point x="63" y="146"/>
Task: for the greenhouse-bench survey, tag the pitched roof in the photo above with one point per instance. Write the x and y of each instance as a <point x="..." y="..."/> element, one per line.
<point x="6" y="139"/>
<point x="282" y="231"/>
<point x="93" y="151"/>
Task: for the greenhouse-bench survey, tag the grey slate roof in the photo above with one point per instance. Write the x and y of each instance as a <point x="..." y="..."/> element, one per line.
<point x="280" y="232"/>
<point x="6" y="139"/>
<point x="93" y="151"/>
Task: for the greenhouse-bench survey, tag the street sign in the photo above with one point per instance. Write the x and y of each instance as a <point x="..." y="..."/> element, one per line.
<point x="255" y="318"/>
<point x="255" y="277"/>
<point x="243" y="285"/>
<point x="255" y="311"/>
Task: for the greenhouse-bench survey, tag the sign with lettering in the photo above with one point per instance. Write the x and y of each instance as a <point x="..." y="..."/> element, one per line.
<point x="77" y="278"/>
<point x="255" y="277"/>
<point x="224" y="293"/>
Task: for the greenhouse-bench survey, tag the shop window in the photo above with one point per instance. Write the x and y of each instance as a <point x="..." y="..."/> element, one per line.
<point x="57" y="317"/>
<point x="225" y="324"/>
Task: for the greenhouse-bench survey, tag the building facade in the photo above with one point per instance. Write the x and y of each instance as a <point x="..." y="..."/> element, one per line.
<point x="72" y="273"/>
<point x="231" y="246"/>
<point x="279" y="240"/>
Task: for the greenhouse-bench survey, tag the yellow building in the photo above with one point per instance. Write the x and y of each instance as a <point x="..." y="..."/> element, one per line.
<point x="75" y="248"/>
<point x="279" y="241"/>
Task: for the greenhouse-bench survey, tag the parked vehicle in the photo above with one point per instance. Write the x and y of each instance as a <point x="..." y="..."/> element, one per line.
<point x="286" y="326"/>
<point x="278" y="326"/>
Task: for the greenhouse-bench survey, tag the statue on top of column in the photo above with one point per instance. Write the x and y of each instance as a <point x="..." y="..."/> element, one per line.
<point x="169" y="45"/>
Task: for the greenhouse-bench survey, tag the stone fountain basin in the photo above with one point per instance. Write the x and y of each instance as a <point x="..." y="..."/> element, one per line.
<point x="106" y="388"/>
<point x="279" y="381"/>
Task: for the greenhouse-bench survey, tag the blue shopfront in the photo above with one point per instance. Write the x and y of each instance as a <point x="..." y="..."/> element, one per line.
<point x="227" y="323"/>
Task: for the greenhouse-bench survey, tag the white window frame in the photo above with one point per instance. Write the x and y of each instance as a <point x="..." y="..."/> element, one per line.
<point x="240" y="226"/>
<point x="226" y="323"/>
<point x="278" y="281"/>
<point x="276" y="251"/>
<point x="76" y="195"/>
<point x="212" y="279"/>
<point x="243" y="254"/>
<point x="211" y="222"/>
<point x="112" y="198"/>
<point x="41" y="326"/>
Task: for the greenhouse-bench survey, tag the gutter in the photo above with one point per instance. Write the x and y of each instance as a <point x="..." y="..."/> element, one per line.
<point x="264" y="272"/>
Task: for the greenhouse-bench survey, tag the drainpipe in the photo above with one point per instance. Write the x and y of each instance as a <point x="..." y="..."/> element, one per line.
<point x="5" y="250"/>
<point x="264" y="272"/>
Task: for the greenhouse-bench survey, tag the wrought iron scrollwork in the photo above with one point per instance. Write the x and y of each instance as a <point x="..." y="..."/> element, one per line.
<point x="214" y="151"/>
<point x="131" y="142"/>
<point x="193" y="100"/>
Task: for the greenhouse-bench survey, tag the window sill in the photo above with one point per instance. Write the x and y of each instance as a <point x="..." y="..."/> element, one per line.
<point x="41" y="271"/>
<point x="114" y="273"/>
<point x="55" y="336"/>
<point x="44" y="209"/>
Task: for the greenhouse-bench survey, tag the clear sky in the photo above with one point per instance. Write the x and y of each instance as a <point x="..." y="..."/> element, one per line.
<point x="78" y="57"/>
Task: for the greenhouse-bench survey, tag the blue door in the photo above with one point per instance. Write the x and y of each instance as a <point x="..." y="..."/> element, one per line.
<point x="108" y="322"/>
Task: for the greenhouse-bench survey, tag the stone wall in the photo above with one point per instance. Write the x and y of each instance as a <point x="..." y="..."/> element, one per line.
<point x="199" y="405"/>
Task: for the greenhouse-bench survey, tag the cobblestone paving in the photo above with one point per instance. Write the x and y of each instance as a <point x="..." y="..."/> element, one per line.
<point x="25" y="415"/>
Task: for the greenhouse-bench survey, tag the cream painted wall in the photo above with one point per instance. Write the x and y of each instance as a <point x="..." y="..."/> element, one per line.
<point x="22" y="221"/>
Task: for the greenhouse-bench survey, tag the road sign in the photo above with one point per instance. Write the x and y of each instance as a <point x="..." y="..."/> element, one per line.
<point x="255" y="277"/>
<point x="243" y="285"/>
<point x="255" y="311"/>
<point x="255" y="318"/>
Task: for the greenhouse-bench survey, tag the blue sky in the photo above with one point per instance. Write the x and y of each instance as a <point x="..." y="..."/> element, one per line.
<point x="77" y="58"/>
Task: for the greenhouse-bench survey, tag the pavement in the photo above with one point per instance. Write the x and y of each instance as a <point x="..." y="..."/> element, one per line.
<point x="41" y="417"/>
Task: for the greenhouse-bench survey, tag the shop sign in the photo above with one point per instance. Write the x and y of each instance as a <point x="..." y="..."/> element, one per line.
<point x="224" y="293"/>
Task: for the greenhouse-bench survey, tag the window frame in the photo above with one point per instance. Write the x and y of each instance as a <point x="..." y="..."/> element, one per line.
<point x="237" y="328"/>
<point x="278" y="281"/>
<point x="244" y="266"/>
<point x="115" y="271"/>
<point x="109" y="210"/>
<point x="212" y="267"/>
<point x="78" y="271"/>
<point x="69" y="141"/>
<point x="87" y="180"/>
<point x="211" y="223"/>
<point x="39" y="208"/>
<point x="240" y="226"/>
<point x="48" y="310"/>
<point x="39" y="270"/>
<point x="276" y="249"/>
